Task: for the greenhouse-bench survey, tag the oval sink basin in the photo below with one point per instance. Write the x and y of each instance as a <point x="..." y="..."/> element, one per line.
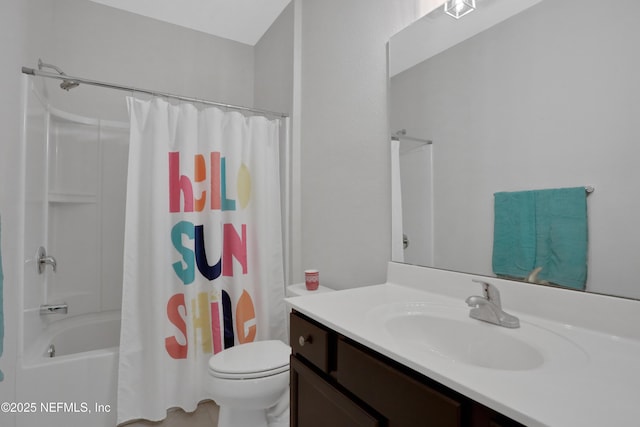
<point x="449" y="333"/>
<point x="459" y="341"/>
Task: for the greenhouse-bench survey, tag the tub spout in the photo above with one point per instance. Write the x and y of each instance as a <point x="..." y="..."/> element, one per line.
<point x="54" y="308"/>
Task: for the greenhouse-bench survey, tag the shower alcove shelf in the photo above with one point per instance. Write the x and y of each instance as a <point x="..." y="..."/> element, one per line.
<point x="84" y="188"/>
<point x="61" y="198"/>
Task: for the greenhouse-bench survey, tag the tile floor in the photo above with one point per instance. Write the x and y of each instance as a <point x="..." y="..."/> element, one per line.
<point x="206" y="415"/>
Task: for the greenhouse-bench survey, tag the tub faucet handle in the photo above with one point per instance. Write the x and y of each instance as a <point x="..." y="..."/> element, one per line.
<point x="43" y="259"/>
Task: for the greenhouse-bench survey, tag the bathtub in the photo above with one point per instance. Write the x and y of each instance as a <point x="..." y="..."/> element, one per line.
<point x="77" y="386"/>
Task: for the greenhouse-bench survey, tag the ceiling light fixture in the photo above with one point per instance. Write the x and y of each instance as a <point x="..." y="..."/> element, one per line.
<point x="459" y="8"/>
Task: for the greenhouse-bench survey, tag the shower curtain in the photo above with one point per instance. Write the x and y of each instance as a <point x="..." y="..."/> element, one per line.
<point x="203" y="268"/>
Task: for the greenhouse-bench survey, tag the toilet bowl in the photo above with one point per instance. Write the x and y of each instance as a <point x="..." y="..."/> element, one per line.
<point x="248" y="380"/>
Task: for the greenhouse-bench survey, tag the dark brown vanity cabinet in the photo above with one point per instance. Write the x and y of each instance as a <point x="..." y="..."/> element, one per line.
<point x="336" y="382"/>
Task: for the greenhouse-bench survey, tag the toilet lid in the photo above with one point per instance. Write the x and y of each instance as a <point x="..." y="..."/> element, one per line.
<point x="252" y="360"/>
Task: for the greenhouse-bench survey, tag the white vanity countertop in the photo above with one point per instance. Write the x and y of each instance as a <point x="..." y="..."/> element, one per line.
<point x="596" y="383"/>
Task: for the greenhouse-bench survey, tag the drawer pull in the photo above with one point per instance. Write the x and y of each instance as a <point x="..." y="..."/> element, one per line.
<point x="304" y="340"/>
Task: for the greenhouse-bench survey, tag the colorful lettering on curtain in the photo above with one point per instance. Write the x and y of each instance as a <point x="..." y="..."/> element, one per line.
<point x="206" y="315"/>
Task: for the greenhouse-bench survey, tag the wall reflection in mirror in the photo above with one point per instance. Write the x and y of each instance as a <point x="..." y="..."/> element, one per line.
<point x="546" y="98"/>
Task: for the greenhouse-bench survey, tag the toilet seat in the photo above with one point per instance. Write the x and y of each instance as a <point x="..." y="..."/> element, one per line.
<point x="251" y="360"/>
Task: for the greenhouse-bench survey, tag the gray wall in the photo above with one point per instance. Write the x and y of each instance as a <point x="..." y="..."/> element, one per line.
<point x="88" y="39"/>
<point x="345" y="166"/>
<point x="273" y="89"/>
<point x="273" y="64"/>
<point x="546" y="99"/>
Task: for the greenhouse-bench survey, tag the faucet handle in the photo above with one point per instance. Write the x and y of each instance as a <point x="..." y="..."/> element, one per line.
<point x="492" y="307"/>
<point x="489" y="291"/>
<point x="42" y="259"/>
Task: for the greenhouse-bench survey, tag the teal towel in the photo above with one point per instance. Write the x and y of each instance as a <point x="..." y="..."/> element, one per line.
<point x="556" y="221"/>
<point x="514" y="233"/>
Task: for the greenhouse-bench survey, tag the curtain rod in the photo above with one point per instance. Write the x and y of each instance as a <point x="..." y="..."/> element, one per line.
<point x="34" y="72"/>
<point x="411" y="138"/>
<point x="402" y="134"/>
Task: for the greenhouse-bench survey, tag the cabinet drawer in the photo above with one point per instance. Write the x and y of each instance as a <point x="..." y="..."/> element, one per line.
<point x="403" y="400"/>
<point x="316" y="403"/>
<point x="309" y="341"/>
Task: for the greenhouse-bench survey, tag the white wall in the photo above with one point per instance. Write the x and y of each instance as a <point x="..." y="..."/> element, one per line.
<point x="531" y="104"/>
<point x="345" y="165"/>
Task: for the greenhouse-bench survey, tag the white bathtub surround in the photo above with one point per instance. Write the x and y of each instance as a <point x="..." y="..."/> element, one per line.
<point x="83" y="373"/>
<point x="74" y="206"/>
<point x="203" y="250"/>
<point x="76" y="335"/>
<point x="589" y="345"/>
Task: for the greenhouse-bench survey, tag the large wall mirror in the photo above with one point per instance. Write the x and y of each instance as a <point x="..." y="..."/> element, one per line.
<point x="542" y="96"/>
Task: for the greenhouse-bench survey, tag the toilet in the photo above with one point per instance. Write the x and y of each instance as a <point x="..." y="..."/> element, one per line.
<point x="250" y="383"/>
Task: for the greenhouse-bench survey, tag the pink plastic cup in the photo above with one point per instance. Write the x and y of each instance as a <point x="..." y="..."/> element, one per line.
<point x="311" y="279"/>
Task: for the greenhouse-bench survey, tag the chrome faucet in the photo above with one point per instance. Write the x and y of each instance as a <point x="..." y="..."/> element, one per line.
<point x="488" y="307"/>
